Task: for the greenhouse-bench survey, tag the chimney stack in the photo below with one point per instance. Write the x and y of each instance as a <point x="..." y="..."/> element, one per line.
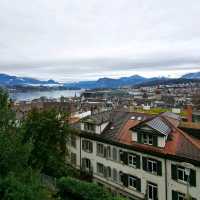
<point x="189" y="113"/>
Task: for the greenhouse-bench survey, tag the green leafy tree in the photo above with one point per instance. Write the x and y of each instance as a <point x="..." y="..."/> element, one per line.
<point x="48" y="131"/>
<point x="17" y="179"/>
<point x="70" y="188"/>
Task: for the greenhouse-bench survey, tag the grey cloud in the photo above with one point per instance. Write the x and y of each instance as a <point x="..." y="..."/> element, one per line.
<point x="61" y="39"/>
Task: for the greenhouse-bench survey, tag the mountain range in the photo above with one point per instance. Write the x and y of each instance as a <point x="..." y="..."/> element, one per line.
<point x="192" y="76"/>
<point x="7" y="80"/>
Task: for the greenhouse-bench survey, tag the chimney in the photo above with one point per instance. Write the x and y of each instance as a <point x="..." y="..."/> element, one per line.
<point x="189" y="113"/>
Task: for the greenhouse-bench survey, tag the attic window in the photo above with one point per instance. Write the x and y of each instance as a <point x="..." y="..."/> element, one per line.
<point x="133" y="117"/>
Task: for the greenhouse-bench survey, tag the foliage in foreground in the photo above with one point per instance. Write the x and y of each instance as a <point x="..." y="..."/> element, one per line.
<point x="48" y="132"/>
<point x="70" y="188"/>
<point x="17" y="180"/>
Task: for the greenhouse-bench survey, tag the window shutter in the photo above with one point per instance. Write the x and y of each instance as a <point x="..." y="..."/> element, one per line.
<point x="159" y="168"/>
<point x="83" y="163"/>
<point x="114" y="174"/>
<point x="91" y="147"/>
<point x="192" y="177"/>
<point x="174" y="172"/>
<point x="105" y="172"/>
<point x="174" y="195"/>
<point x="125" y="180"/>
<point x="104" y="152"/>
<point x="83" y="144"/>
<point x="121" y="155"/>
<point x="114" y="153"/>
<point x="155" y="141"/>
<point x="139" y="184"/>
<point x="137" y="161"/>
<point x="144" y="163"/>
<point x="139" y="137"/>
<point x="125" y="157"/>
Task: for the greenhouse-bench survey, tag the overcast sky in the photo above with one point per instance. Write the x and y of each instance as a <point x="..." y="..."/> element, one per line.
<point x="70" y="40"/>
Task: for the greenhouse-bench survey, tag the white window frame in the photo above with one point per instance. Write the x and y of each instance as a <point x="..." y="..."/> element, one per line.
<point x="147" y="139"/>
<point x="150" y="166"/>
<point x="115" y="175"/>
<point x="131" y="181"/>
<point x="87" y="146"/>
<point x="87" y="164"/>
<point x="100" y="151"/>
<point x="132" y="160"/>
<point x="114" y="154"/>
<point x="152" y="189"/>
<point x="181" y="196"/>
<point x="99" y="171"/>
<point x="185" y="177"/>
<point x="89" y="127"/>
<point x="109" y="175"/>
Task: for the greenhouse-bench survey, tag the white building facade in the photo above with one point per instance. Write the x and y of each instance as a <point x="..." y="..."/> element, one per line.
<point x="140" y="169"/>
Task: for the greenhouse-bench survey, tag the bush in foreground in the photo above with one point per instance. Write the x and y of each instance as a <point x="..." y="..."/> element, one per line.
<point x="70" y="188"/>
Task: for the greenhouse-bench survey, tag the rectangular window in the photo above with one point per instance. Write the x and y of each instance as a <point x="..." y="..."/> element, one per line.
<point x="114" y="154"/>
<point x="87" y="164"/>
<point x="132" y="182"/>
<point x="121" y="177"/>
<point x="87" y="146"/>
<point x="89" y="127"/>
<point x="114" y="175"/>
<point x="100" y="169"/>
<point x="181" y="174"/>
<point x="100" y="149"/>
<point x="181" y="196"/>
<point x="108" y="151"/>
<point x="109" y="175"/>
<point x="152" y="166"/>
<point x="132" y="160"/>
<point x="147" y="139"/>
<point x="152" y="191"/>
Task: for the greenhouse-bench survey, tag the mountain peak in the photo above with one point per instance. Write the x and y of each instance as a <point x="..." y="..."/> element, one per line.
<point x="195" y="75"/>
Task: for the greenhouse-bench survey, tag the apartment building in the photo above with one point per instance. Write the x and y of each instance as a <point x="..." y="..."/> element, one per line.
<point x="138" y="156"/>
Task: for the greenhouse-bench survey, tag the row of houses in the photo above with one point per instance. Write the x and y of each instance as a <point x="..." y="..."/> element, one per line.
<point x="138" y="156"/>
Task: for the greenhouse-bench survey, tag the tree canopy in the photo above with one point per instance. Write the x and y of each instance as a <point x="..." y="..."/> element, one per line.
<point x="17" y="179"/>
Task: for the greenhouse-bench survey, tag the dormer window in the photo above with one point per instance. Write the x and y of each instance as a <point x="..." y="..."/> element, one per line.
<point x="153" y="132"/>
<point x="147" y="139"/>
<point x="89" y="127"/>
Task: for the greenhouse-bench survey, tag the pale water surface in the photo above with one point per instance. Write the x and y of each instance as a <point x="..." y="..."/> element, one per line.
<point x="28" y="96"/>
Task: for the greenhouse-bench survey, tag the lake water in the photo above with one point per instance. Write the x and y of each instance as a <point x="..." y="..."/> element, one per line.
<point x="28" y="96"/>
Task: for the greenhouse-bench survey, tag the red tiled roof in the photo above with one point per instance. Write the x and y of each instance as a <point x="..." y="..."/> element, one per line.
<point x="178" y="144"/>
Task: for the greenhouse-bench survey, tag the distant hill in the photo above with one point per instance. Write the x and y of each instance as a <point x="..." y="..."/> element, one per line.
<point x="7" y="80"/>
<point x="108" y="82"/>
<point x="167" y="81"/>
<point x="135" y="80"/>
<point x="195" y="75"/>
